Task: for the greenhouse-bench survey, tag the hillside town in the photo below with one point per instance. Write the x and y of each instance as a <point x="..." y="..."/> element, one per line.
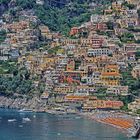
<point x="93" y="71"/>
<point x="95" y="67"/>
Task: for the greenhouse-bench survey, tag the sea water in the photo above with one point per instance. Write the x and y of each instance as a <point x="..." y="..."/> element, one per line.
<point x="43" y="126"/>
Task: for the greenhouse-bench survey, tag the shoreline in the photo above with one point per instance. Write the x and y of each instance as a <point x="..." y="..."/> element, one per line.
<point x="96" y="120"/>
<point x="122" y="129"/>
<point x="34" y="105"/>
<point x="84" y="115"/>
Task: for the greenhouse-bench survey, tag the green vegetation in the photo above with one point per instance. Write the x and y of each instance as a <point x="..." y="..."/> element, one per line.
<point x="138" y="11"/>
<point x="138" y="111"/>
<point x="130" y="6"/>
<point x="137" y="54"/>
<point x="77" y="64"/>
<point x="2" y="36"/>
<point x="26" y="4"/>
<point x="128" y="80"/>
<point x="60" y="17"/>
<point x="101" y="93"/>
<point x="127" y="37"/>
<point x="19" y="80"/>
<point x="133" y="29"/>
<point x="8" y="67"/>
<point x="53" y="50"/>
<point x="4" y="1"/>
<point x="110" y="25"/>
<point x="19" y="83"/>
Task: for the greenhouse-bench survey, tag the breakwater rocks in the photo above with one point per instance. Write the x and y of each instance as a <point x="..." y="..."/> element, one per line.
<point x="22" y="103"/>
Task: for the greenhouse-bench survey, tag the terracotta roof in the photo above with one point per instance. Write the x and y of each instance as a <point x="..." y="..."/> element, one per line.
<point x="110" y="74"/>
<point x="73" y="97"/>
<point x="112" y="66"/>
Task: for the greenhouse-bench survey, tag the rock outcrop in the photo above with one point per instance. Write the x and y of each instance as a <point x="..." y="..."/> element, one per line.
<point x="22" y="103"/>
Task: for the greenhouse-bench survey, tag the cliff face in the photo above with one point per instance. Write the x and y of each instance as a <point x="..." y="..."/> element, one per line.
<point x="21" y="103"/>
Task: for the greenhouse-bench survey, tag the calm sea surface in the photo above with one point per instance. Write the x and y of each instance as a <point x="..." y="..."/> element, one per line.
<point x="44" y="126"/>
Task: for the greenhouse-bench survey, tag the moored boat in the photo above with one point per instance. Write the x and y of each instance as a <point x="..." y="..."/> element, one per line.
<point x="25" y="110"/>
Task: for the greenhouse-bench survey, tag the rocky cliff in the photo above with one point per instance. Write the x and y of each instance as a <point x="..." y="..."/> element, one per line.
<point x="22" y="103"/>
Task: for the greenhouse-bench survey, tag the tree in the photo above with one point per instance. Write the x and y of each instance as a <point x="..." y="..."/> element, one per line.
<point x="138" y="111"/>
<point x="110" y="25"/>
<point x="26" y="4"/>
<point x="137" y="54"/>
<point x="2" y="35"/>
<point x="138" y="11"/>
<point x="127" y="37"/>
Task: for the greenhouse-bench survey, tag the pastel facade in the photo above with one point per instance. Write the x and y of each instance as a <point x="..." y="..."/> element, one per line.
<point x="136" y="72"/>
<point x="99" y="52"/>
<point x="110" y="76"/>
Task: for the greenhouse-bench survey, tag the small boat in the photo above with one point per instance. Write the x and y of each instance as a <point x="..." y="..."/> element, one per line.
<point x="11" y="120"/>
<point x="20" y="125"/>
<point x="26" y="119"/>
<point x="137" y="118"/>
<point x="58" y="134"/>
<point x="71" y="111"/>
<point x="78" y="117"/>
<point x="25" y="110"/>
<point x="137" y="134"/>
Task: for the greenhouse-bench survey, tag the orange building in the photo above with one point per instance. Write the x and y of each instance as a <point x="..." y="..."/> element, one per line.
<point x="136" y="72"/>
<point x="110" y="75"/>
<point x="101" y="26"/>
<point x="70" y="65"/>
<point x="94" y="103"/>
<point x="74" y="31"/>
<point x="117" y="6"/>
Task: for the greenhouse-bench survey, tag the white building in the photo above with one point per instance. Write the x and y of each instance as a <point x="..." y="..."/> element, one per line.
<point x="99" y="52"/>
<point x="40" y="2"/>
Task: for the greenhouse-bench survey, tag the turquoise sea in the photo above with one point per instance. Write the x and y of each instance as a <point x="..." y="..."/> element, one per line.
<point x="44" y="126"/>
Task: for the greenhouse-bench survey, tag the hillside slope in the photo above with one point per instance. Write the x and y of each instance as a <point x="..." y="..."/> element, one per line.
<point x="58" y="15"/>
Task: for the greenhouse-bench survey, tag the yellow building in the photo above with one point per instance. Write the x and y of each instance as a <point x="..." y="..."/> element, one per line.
<point x="117" y="6"/>
<point x="44" y="30"/>
<point x="70" y="65"/>
<point x="132" y="1"/>
<point x="49" y="60"/>
<point x="110" y="75"/>
<point x="64" y="89"/>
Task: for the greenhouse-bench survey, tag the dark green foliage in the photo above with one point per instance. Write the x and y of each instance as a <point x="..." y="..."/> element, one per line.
<point x="138" y="111"/>
<point x="8" y="67"/>
<point x="137" y="55"/>
<point x="4" y="1"/>
<point x="128" y="80"/>
<point x="53" y="50"/>
<point x="18" y="84"/>
<point x="126" y="99"/>
<point x="2" y="35"/>
<point x="138" y="11"/>
<point x="134" y="29"/>
<point x="77" y="64"/>
<point x="130" y="6"/>
<point x="127" y="37"/>
<point x="101" y="93"/>
<point x="110" y="25"/>
<point x="62" y="19"/>
<point x="26" y="4"/>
